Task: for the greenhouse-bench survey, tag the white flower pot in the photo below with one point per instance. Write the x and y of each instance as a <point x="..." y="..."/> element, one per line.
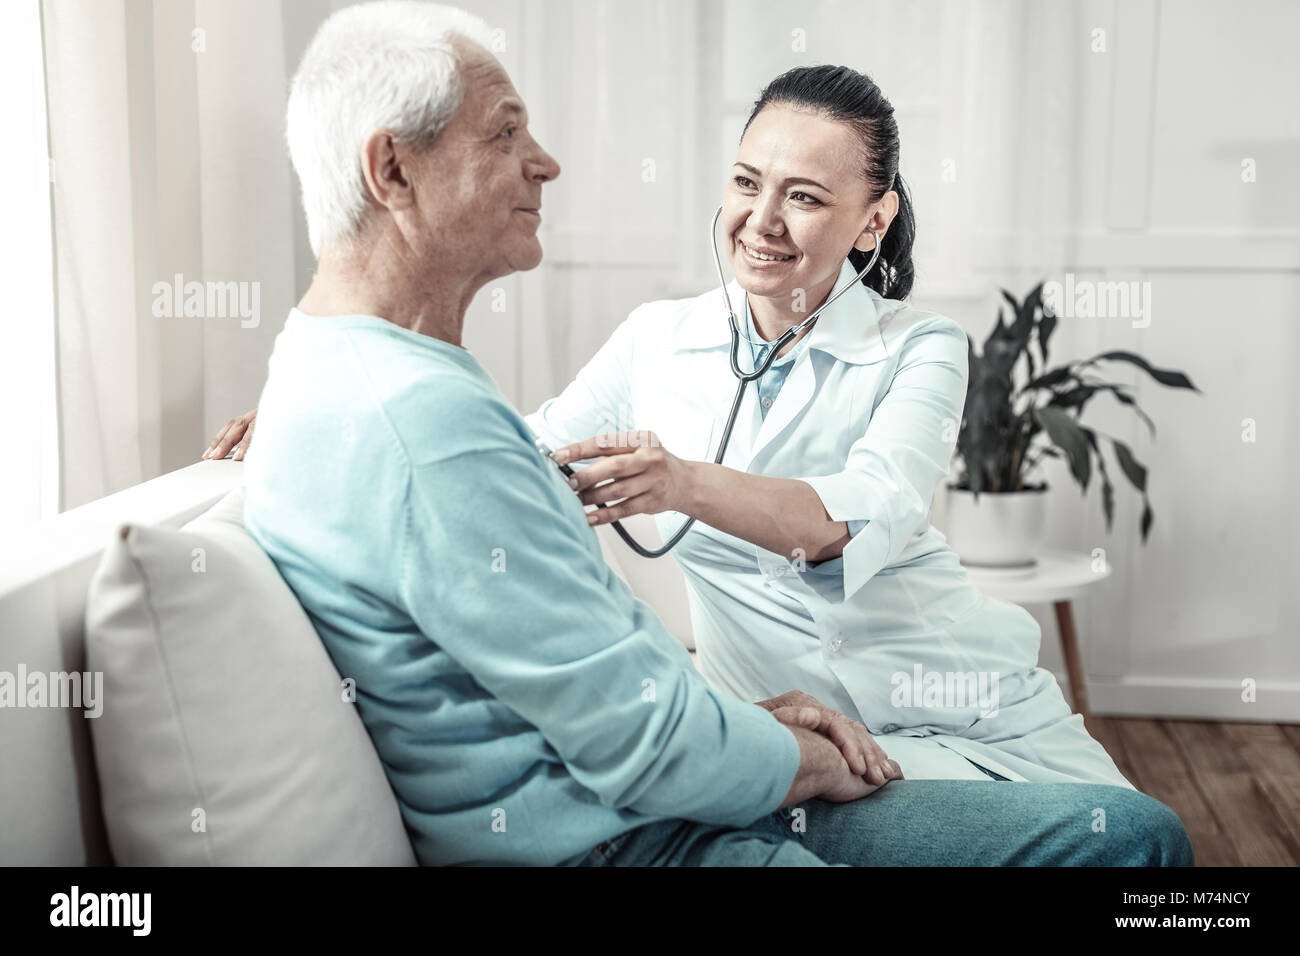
<point x="1003" y="530"/>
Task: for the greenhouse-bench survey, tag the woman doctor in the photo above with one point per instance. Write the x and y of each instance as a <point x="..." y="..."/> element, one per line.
<point x="812" y="563"/>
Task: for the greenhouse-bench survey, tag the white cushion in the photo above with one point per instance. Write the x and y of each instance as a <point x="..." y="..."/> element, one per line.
<point x="225" y="737"/>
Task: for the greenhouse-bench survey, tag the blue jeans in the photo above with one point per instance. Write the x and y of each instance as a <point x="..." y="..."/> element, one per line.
<point x="929" y="823"/>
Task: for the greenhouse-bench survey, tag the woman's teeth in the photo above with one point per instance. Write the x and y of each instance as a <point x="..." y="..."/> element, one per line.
<point x="763" y="256"/>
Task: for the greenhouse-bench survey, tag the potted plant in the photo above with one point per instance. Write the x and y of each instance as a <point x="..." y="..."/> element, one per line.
<point x="995" y="514"/>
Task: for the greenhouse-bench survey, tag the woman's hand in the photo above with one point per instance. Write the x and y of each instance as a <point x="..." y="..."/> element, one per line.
<point x="236" y="434"/>
<point x="645" y="475"/>
<point x="861" y="752"/>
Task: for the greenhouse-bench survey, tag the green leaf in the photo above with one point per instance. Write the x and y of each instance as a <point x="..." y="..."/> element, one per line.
<point x="1011" y="300"/>
<point x="1133" y="469"/>
<point x="1074" y="397"/>
<point x="1066" y="435"/>
<point x="1128" y="400"/>
<point x="1048" y="379"/>
<point x="999" y="332"/>
<point x="1045" y="328"/>
<point x="1033" y="366"/>
<point x="1024" y="313"/>
<point x="1163" y="376"/>
<point x="1107" y="489"/>
<point x="1107" y="499"/>
<point x="1000" y="354"/>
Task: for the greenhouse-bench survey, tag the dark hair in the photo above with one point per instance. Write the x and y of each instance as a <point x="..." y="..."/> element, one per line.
<point x="851" y="97"/>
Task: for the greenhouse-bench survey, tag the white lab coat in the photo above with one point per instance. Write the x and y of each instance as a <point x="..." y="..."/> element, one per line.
<point x="869" y="418"/>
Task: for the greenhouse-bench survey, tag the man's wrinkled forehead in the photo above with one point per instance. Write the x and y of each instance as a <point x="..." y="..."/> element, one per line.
<point x="489" y="95"/>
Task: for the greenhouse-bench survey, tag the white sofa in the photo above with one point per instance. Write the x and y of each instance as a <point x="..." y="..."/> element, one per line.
<point x="50" y="792"/>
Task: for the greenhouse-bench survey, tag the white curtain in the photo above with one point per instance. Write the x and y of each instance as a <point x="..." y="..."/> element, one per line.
<point x="29" y="461"/>
<point x="166" y="133"/>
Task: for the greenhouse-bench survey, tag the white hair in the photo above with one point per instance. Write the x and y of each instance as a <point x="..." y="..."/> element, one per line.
<point x="386" y="65"/>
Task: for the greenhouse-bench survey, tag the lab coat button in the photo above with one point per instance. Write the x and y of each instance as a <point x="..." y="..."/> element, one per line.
<point x="767" y="403"/>
<point x="836" y="645"/>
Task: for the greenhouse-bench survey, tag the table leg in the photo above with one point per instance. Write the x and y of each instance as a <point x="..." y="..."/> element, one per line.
<point x="1073" y="663"/>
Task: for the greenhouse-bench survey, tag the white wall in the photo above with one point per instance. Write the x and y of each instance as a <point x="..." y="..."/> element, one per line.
<point x="1170" y="117"/>
<point x="1122" y="163"/>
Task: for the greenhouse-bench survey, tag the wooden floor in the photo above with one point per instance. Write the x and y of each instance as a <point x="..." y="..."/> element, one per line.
<point x="1236" y="786"/>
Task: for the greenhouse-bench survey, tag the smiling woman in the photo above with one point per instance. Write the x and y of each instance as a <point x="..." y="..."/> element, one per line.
<point x="812" y="562"/>
<point x="804" y="189"/>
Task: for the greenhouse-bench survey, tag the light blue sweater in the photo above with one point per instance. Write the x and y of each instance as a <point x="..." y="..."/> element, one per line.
<point x="525" y="705"/>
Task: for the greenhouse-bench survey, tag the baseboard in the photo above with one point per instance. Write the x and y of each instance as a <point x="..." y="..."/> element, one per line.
<point x="1191" y="699"/>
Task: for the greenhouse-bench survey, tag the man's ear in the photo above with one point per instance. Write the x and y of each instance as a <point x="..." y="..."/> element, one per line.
<point x="385" y="168"/>
<point x="883" y="214"/>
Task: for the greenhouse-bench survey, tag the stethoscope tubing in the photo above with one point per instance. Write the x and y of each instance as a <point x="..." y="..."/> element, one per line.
<point x="743" y="378"/>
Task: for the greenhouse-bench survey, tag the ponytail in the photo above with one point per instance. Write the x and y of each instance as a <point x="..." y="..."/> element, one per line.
<point x="851" y="97"/>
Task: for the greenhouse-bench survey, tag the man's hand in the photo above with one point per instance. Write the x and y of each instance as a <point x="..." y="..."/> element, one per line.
<point x="647" y="478"/>
<point x="823" y="773"/>
<point x="236" y="434"/>
<point x="861" y="752"/>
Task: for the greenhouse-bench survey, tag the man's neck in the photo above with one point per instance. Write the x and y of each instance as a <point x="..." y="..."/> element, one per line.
<point x="382" y="284"/>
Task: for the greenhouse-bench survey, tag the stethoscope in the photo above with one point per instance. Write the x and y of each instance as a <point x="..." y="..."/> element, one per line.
<point x="743" y="378"/>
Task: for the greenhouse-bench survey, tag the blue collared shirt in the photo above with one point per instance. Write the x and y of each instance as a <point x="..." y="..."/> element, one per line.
<point x="526" y="707"/>
<point x="769" y="384"/>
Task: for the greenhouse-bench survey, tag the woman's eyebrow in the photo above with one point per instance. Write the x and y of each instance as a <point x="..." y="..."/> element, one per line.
<point x="789" y="181"/>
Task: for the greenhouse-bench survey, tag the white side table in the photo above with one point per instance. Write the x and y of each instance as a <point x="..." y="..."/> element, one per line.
<point x="1058" y="578"/>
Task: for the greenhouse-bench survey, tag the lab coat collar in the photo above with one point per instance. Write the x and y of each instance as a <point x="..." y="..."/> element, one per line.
<point x="849" y="330"/>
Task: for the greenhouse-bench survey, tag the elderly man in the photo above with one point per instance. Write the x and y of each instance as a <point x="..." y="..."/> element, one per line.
<point x="528" y="709"/>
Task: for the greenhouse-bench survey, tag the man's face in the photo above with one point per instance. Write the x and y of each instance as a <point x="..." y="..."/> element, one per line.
<point x="479" y="189"/>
